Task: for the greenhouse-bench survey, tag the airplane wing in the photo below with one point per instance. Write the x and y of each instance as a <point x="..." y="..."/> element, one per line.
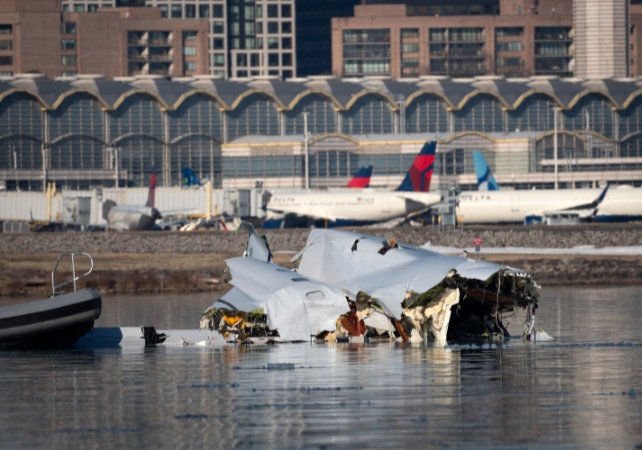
<point x="582" y="211"/>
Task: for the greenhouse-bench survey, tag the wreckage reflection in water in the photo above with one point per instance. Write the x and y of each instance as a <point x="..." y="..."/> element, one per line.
<point x="581" y="390"/>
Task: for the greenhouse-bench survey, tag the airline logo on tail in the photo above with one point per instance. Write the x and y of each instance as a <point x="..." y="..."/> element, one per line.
<point x="152" y="188"/>
<point x="361" y="179"/>
<point x="420" y="173"/>
<point x="485" y="179"/>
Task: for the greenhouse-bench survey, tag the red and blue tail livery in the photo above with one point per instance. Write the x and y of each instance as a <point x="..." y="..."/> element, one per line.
<point x="151" y="196"/>
<point x="418" y="177"/>
<point x="361" y="179"/>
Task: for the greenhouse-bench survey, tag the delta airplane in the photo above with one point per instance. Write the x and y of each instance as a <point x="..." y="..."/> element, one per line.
<point x="133" y="217"/>
<point x="491" y="205"/>
<point x="361" y="207"/>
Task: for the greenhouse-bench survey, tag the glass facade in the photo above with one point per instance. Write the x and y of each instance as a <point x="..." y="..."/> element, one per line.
<point x="366" y="52"/>
<point x="80" y="134"/>
<point x="457" y="51"/>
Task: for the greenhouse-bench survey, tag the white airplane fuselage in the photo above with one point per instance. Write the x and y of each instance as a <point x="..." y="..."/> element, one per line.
<point x="357" y="205"/>
<point x="132" y="217"/>
<point x="515" y="206"/>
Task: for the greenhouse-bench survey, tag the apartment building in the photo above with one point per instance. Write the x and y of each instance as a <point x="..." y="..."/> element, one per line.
<point x="113" y="41"/>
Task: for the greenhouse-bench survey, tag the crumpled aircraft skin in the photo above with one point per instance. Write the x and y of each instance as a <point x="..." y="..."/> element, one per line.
<point x="349" y="283"/>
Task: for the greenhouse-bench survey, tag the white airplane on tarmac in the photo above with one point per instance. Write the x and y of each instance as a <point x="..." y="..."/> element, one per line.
<point x="535" y="206"/>
<point x="360" y="207"/>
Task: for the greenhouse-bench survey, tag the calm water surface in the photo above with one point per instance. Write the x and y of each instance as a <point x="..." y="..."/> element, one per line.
<point x="582" y="390"/>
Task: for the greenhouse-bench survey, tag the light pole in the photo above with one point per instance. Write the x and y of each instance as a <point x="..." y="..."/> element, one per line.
<point x="307" y="152"/>
<point x="556" y="114"/>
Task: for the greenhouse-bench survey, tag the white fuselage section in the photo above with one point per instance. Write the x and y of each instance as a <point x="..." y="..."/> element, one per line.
<point x="357" y="205"/>
<point x="515" y="206"/>
<point x="132" y="217"/>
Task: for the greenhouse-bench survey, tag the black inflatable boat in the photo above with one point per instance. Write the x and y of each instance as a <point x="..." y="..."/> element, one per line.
<point x="55" y="322"/>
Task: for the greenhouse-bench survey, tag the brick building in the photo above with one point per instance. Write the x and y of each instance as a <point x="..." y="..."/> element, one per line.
<point x="516" y="38"/>
<point x="36" y="37"/>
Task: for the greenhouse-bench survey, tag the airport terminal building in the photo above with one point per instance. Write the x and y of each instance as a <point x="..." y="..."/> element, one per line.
<point x="86" y="131"/>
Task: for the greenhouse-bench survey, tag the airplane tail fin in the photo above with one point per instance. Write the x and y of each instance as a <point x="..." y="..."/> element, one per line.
<point x="151" y="197"/>
<point x="420" y="173"/>
<point x="189" y="178"/>
<point x="361" y="179"/>
<point x="485" y="179"/>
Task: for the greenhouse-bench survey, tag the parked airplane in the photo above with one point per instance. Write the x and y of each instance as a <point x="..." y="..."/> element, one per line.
<point x="133" y="217"/>
<point x="535" y="206"/>
<point x="343" y="208"/>
<point x="361" y="179"/>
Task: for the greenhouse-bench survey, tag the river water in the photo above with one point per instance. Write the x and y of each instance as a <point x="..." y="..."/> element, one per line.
<point x="581" y="390"/>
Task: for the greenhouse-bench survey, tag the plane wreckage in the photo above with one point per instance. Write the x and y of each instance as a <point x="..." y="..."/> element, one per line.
<point x="350" y="286"/>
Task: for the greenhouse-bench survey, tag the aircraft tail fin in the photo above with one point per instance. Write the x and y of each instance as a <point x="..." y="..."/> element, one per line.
<point x="361" y="179"/>
<point x="485" y="179"/>
<point x="418" y="177"/>
<point x="189" y="178"/>
<point x="151" y="196"/>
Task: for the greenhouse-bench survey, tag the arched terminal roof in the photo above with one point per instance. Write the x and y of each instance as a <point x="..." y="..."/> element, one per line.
<point x="343" y="93"/>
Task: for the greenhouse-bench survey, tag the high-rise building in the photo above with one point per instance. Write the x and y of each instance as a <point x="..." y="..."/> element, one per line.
<point x="36" y="37"/>
<point x="602" y="33"/>
<point x="459" y="39"/>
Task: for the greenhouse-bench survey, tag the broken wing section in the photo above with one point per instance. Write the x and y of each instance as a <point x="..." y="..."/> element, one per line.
<point x="283" y="303"/>
<point x="418" y="288"/>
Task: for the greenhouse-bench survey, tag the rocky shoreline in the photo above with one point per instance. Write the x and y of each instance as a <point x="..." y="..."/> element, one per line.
<point x="190" y="262"/>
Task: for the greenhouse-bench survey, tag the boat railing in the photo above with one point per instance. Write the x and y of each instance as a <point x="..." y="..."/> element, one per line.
<point x="75" y="278"/>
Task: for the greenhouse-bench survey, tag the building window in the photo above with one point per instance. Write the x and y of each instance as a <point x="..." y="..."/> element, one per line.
<point x="286" y="27"/>
<point x="190" y="35"/>
<point x="218" y="27"/>
<point x="409" y="33"/>
<point x="287" y="74"/>
<point x="204" y="11"/>
<point x="189" y="50"/>
<point x="6" y="74"/>
<point x="286" y="43"/>
<point x="234" y="13"/>
<point x="248" y="12"/>
<point x="79" y="8"/>
<point x="509" y="62"/>
<point x="190" y="11"/>
<point x="552" y="33"/>
<point x="259" y="11"/>
<point x="273" y="43"/>
<point x="410" y="48"/>
<point x="6" y="45"/>
<point x="249" y="43"/>
<point x="255" y="73"/>
<point x="241" y="60"/>
<point x="409" y="63"/>
<point x="437" y="35"/>
<point x="350" y="36"/>
<point x="190" y="66"/>
<point x="273" y="27"/>
<point x="508" y="46"/>
<point x="6" y="28"/>
<point x="465" y="34"/>
<point x="65" y="8"/>
<point x="69" y="60"/>
<point x="68" y="28"/>
<point x="6" y="60"/>
<point x="255" y="60"/>
<point x="177" y="12"/>
<point x="273" y="72"/>
<point x="217" y="11"/>
<point x="273" y="59"/>
<point x="249" y="28"/>
<point x="235" y="28"/>
<point x="235" y="43"/>
<point x="370" y="67"/>
<point x="164" y="11"/>
<point x="273" y="11"/>
<point x="241" y="73"/>
<point x="68" y="44"/>
<point x="286" y="59"/>
<point x="69" y="74"/>
<point x="259" y="27"/>
<point x="509" y="31"/>
<point x="286" y="10"/>
<point x="219" y="59"/>
<point x="92" y="8"/>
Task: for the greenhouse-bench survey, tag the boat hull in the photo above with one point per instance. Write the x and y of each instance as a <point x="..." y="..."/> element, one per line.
<point x="56" y="322"/>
